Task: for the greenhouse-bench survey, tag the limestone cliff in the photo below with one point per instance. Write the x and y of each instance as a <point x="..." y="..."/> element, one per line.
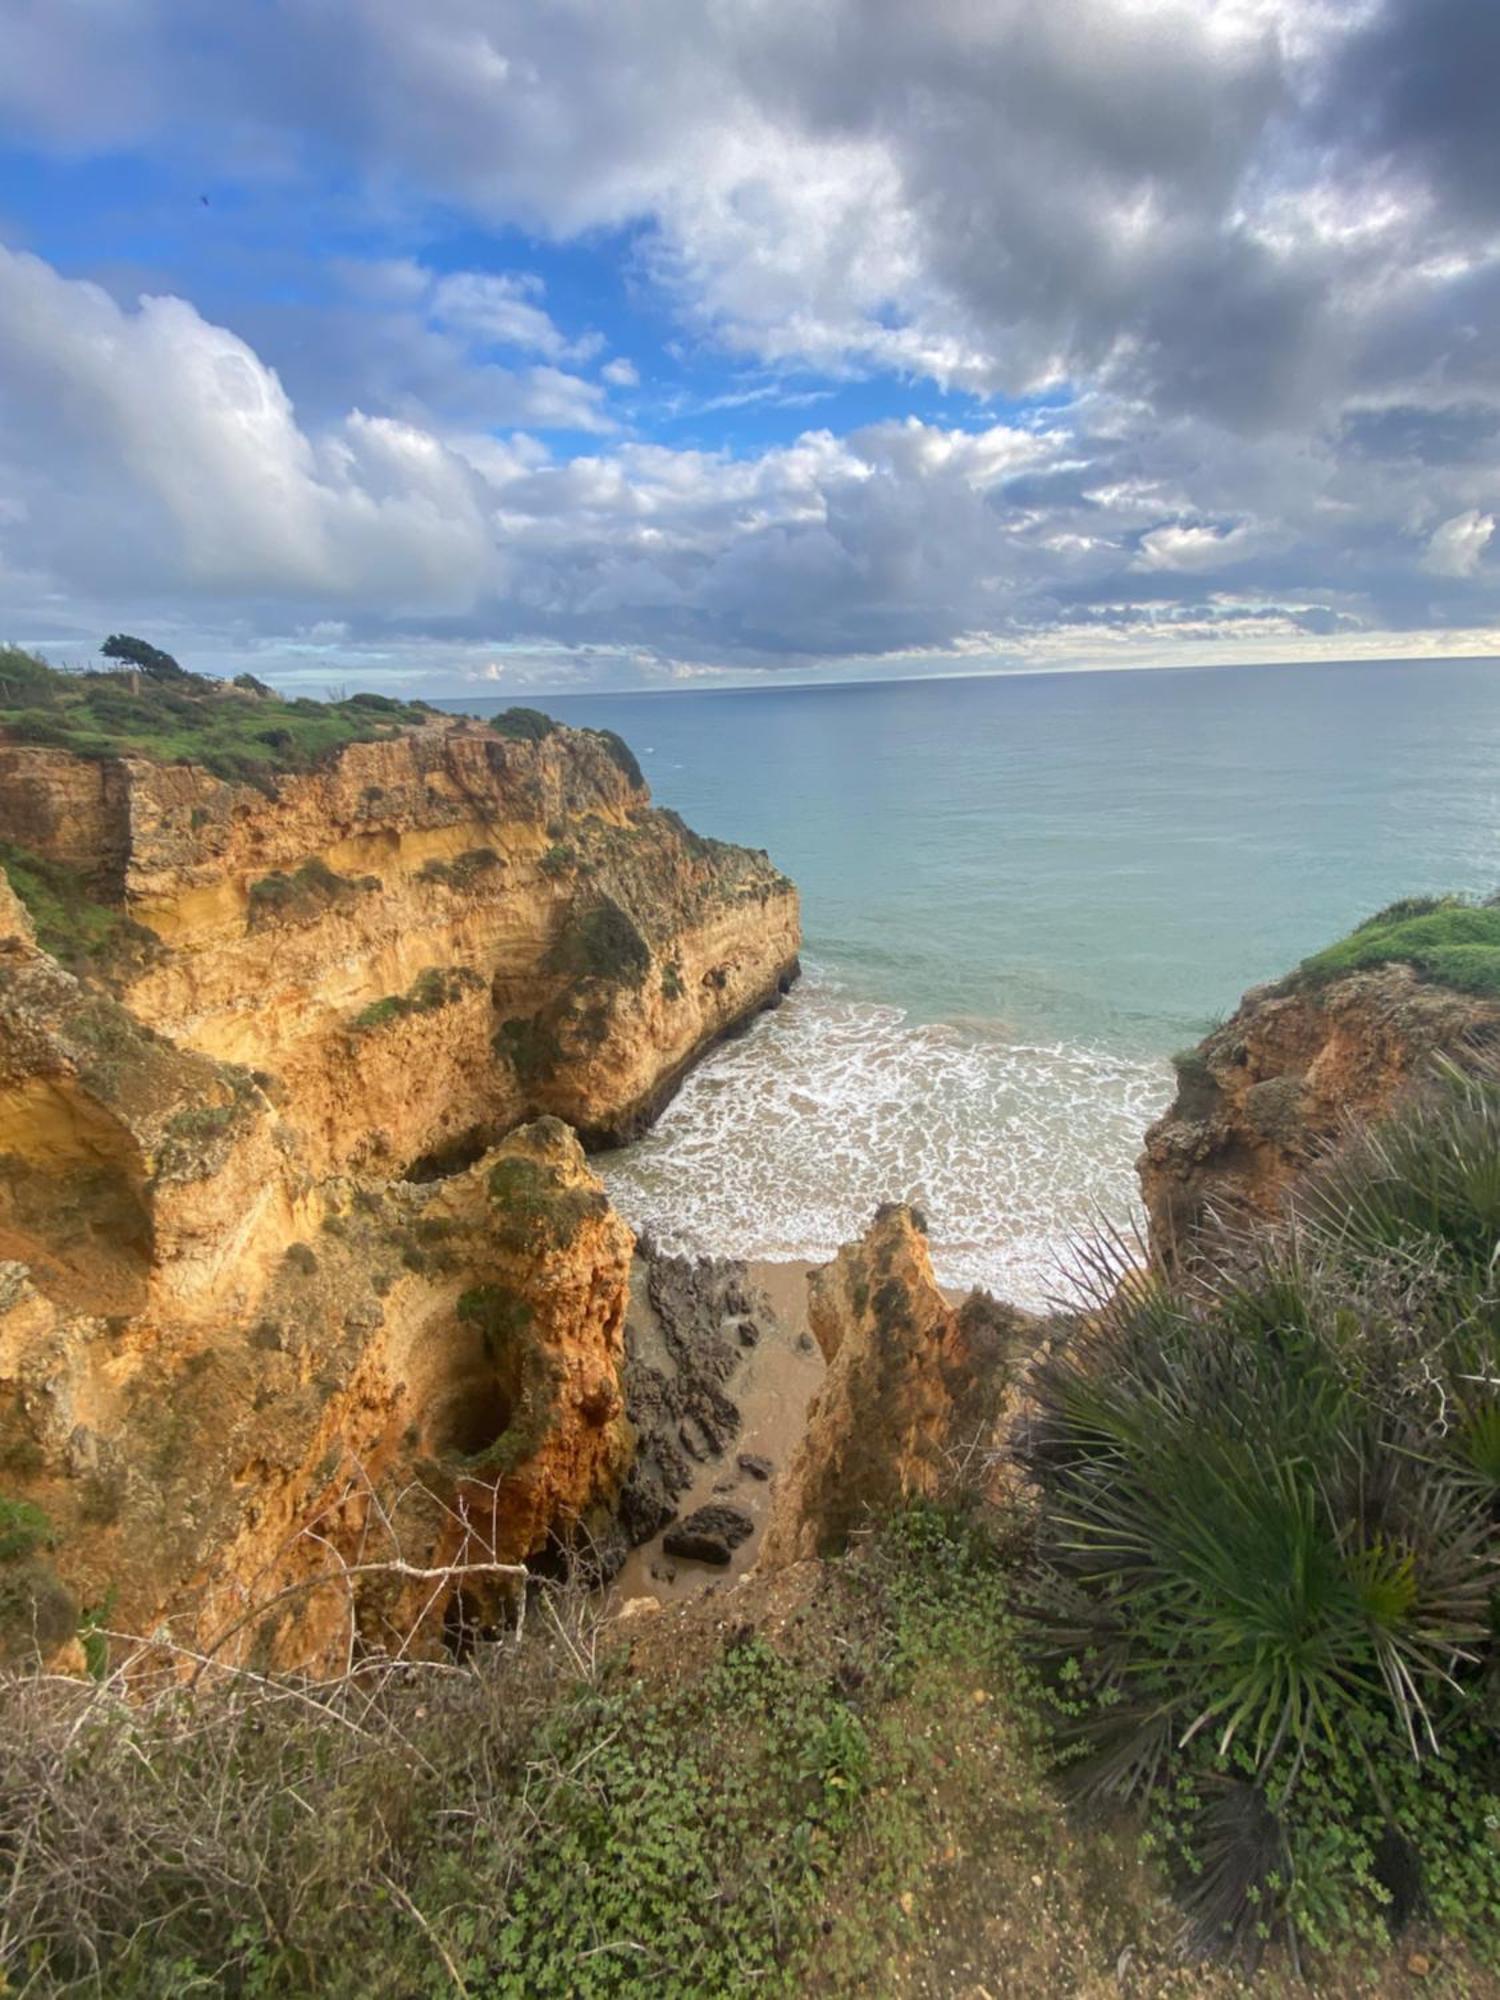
<point x="917" y="1393"/>
<point x="1266" y="1093"/>
<point x="426" y="938"/>
<point x="307" y="1292"/>
<point x="227" y="1381"/>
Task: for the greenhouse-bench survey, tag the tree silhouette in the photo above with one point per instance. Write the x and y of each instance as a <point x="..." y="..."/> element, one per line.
<point x="138" y="653"/>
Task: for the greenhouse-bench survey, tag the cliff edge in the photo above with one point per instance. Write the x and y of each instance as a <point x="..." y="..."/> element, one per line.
<point x="1337" y="1041"/>
<point x="311" y="1311"/>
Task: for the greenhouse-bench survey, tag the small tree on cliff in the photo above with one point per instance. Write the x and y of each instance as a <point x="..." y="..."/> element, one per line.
<point x="144" y="657"/>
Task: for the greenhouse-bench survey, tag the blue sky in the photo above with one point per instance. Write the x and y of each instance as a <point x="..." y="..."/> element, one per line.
<point x="600" y="343"/>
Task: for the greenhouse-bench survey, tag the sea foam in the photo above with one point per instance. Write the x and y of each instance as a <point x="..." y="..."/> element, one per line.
<point x="782" y="1143"/>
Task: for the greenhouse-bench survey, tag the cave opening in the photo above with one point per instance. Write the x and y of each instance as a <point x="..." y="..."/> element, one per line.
<point x="474" y="1415"/>
<point x="455" y="1156"/>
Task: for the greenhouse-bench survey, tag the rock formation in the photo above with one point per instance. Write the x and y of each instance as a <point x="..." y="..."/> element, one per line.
<point x="298" y="1306"/>
<point x="1266" y="1093"/>
<point x="917" y="1393"/>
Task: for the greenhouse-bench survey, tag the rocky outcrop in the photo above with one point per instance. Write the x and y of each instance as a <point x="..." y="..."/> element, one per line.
<point x="259" y="1403"/>
<point x="426" y="939"/>
<point x="917" y="1394"/>
<point x="685" y="1342"/>
<point x="311" y="1312"/>
<point x="1265" y="1094"/>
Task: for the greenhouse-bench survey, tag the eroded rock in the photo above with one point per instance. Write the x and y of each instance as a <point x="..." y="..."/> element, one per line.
<point x="918" y="1393"/>
<point x="1267" y="1093"/>
<point x="709" y="1535"/>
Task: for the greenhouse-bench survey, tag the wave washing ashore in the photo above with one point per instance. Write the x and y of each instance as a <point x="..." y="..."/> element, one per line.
<point x="1022" y="894"/>
<point x="779" y="1144"/>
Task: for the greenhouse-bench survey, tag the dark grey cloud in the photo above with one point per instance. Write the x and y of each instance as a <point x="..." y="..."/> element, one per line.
<point x="1415" y="89"/>
<point x="1247" y="248"/>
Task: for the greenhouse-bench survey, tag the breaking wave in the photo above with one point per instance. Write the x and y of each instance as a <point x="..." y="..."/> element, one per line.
<point x="781" y="1143"/>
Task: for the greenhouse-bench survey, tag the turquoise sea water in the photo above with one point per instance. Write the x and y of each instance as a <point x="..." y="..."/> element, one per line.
<point x="1020" y="895"/>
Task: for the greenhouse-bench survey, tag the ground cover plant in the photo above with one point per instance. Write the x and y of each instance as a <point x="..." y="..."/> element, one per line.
<point x="1445" y="938"/>
<point x="238" y="730"/>
<point x="832" y="1791"/>
<point x="1268" y="1559"/>
<point x="84" y="934"/>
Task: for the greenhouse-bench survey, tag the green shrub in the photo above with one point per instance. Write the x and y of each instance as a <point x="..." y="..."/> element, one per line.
<point x="530" y="1047"/>
<point x="601" y="942"/>
<point x="463" y="871"/>
<point x="1192" y="1068"/>
<point x="523" y="725"/>
<point x="1445" y="939"/>
<point x="24" y="1529"/>
<point x="536" y="1208"/>
<point x="436" y="987"/>
<point x="280" y="898"/>
<point x="1268" y="1558"/>
<point x="620" y="754"/>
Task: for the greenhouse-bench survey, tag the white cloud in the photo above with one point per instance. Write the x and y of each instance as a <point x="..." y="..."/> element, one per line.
<point x="1190" y="546"/>
<point x="1456" y="547"/>
<point x="171" y="484"/>
<point x="500" y="309"/>
<point x="620" y="373"/>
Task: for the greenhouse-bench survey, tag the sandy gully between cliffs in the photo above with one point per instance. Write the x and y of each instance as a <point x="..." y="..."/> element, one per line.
<point x="772" y="1384"/>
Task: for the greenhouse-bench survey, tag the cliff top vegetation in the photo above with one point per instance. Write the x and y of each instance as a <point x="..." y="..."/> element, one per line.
<point x="1444" y="938"/>
<point x="237" y="729"/>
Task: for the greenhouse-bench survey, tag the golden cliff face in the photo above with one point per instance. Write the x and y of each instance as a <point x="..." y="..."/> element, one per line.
<point x="917" y="1390"/>
<point x="431" y="938"/>
<point x="264" y="1381"/>
<point x="1264" y="1095"/>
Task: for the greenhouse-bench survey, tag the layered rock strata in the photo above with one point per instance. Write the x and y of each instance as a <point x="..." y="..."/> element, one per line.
<point x="311" y="1312"/>
<point x="917" y="1398"/>
<point x="1264" y="1095"/>
<point x="429" y="938"/>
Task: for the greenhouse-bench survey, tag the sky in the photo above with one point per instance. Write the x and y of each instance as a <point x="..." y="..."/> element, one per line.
<point x="492" y="346"/>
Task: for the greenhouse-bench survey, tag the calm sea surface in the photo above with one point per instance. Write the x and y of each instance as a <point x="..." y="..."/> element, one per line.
<point x="1020" y="895"/>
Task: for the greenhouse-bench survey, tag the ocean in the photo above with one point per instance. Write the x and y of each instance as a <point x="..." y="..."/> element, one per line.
<point x="1021" y="894"/>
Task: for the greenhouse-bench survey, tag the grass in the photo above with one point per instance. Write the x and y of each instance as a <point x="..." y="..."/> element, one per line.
<point x="79" y="931"/>
<point x="237" y="734"/>
<point x="436" y="987"/>
<point x="1444" y="938"/>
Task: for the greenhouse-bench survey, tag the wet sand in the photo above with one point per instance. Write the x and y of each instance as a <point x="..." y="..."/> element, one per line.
<point x="773" y="1387"/>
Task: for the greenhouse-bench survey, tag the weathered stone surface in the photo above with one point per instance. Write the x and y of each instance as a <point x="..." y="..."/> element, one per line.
<point x="1265" y="1094"/>
<point x="581" y="949"/>
<point x="675" y="1391"/>
<point x="755" y="1465"/>
<point x="915" y="1389"/>
<point x="710" y="1535"/>
<point x="283" y="1301"/>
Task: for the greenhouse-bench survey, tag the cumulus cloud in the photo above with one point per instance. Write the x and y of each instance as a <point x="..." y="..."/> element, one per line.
<point x="1456" y="546"/>
<point x="1191" y="546"/>
<point x="501" y="309"/>
<point x="163" y="461"/>
<point x="1246" y="251"/>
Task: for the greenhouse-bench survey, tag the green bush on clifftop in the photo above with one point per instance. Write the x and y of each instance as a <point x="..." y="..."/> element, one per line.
<point x="1444" y="938"/>
<point x="236" y="733"/>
